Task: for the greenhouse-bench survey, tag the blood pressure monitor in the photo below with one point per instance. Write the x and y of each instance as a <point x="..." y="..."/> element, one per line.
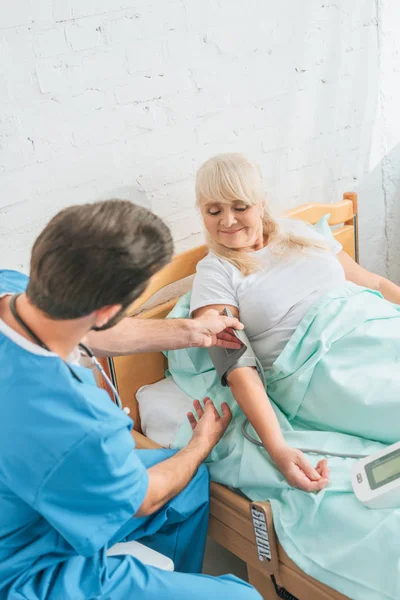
<point x="376" y="478"/>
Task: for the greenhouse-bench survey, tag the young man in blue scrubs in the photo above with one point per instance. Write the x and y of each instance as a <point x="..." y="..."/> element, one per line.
<point x="71" y="483"/>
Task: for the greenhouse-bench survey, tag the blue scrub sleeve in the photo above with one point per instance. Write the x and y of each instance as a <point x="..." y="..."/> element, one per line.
<point x="12" y="282"/>
<point x="94" y="490"/>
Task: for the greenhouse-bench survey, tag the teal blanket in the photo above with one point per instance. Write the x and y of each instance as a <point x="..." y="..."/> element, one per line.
<point x="336" y="387"/>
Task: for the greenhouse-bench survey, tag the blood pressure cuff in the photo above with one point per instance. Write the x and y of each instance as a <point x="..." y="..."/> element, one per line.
<point x="226" y="360"/>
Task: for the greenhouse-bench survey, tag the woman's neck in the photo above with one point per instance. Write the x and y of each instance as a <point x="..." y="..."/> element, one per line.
<point x="259" y="244"/>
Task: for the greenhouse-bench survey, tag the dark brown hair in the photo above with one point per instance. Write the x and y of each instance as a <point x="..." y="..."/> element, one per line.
<point x="95" y="255"/>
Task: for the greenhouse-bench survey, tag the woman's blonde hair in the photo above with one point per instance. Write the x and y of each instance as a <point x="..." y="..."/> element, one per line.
<point x="228" y="178"/>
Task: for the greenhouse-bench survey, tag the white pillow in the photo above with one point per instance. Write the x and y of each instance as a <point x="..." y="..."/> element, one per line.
<point x="163" y="408"/>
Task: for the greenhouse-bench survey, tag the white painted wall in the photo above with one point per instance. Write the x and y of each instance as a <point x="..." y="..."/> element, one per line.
<point x="388" y="158"/>
<point x="125" y="98"/>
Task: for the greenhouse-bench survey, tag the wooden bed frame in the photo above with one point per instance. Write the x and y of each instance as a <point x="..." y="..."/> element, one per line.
<point x="269" y="568"/>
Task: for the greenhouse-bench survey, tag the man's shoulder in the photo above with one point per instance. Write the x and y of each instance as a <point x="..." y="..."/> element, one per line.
<point x="13" y="282"/>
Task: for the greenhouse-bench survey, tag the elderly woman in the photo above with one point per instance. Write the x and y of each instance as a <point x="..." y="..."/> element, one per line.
<point x="269" y="273"/>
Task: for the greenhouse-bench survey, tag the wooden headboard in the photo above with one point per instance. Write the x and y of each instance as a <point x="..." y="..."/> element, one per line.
<point x="131" y="372"/>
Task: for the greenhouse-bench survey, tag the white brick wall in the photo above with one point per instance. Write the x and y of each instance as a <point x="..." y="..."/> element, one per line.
<point x="126" y="97"/>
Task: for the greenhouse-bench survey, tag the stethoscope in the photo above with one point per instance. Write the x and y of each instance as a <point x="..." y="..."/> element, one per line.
<point x="82" y="347"/>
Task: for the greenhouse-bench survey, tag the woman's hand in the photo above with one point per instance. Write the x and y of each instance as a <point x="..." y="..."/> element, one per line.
<point x="299" y="472"/>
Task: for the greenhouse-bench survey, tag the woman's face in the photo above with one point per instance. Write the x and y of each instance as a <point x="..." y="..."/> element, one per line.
<point x="237" y="225"/>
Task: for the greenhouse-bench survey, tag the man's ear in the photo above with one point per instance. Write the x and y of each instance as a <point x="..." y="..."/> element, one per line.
<point x="105" y="314"/>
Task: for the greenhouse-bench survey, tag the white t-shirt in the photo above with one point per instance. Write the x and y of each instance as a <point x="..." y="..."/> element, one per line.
<point x="272" y="301"/>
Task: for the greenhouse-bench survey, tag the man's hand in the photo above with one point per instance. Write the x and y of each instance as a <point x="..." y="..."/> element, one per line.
<point x="168" y="478"/>
<point x="213" y="329"/>
<point x="299" y="472"/>
<point x="210" y="426"/>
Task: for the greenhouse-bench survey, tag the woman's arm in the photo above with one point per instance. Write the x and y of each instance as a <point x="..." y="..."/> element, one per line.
<point x="361" y="276"/>
<point x="249" y="393"/>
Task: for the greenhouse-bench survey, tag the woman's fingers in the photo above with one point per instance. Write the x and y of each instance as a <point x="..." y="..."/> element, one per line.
<point x="307" y="467"/>
<point x="317" y="486"/>
<point x="303" y="475"/>
<point x="300" y="480"/>
<point x="323" y="469"/>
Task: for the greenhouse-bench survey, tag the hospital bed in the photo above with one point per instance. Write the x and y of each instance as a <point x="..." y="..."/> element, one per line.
<point x="234" y="520"/>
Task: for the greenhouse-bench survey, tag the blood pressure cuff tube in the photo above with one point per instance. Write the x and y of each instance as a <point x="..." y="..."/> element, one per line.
<point x="226" y="360"/>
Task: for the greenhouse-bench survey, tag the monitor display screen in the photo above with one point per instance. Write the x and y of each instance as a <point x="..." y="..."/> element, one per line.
<point x="386" y="471"/>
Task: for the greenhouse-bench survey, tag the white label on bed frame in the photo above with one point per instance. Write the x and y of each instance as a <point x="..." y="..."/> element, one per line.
<point x="261" y="533"/>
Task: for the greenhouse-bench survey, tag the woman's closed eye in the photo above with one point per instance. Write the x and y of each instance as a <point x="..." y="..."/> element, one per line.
<point x="239" y="209"/>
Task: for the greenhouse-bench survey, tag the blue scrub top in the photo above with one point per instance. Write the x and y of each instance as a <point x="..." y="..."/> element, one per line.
<point x="69" y="478"/>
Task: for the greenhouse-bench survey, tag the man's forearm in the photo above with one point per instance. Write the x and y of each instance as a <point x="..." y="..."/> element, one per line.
<point x="132" y="335"/>
<point x="168" y="478"/>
